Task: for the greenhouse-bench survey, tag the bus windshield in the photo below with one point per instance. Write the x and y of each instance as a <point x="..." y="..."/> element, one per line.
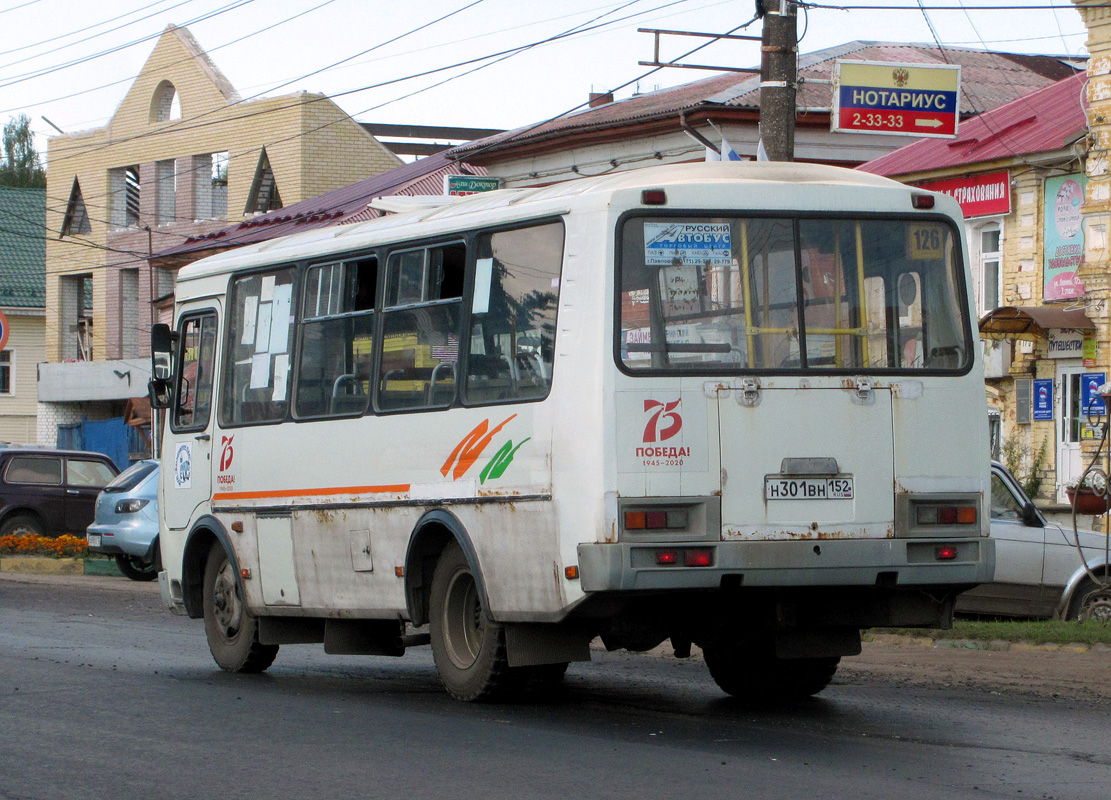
<point x="715" y="294"/>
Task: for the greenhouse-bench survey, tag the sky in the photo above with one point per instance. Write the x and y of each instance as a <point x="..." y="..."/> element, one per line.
<point x="72" y="61"/>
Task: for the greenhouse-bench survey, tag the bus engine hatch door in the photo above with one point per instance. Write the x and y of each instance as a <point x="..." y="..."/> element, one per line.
<point x="799" y="462"/>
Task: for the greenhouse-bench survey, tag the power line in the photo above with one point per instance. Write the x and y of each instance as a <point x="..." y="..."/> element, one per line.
<point x="131" y="78"/>
<point x="575" y="29"/>
<point x="85" y="59"/>
<point x="21" y="5"/>
<point x="91" y="27"/>
<point x="182" y="126"/>
<point x="637" y="79"/>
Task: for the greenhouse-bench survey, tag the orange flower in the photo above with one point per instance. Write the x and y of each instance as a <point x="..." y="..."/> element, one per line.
<point x="30" y="544"/>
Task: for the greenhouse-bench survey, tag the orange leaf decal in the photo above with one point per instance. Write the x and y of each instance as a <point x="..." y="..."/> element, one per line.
<point x="470" y="448"/>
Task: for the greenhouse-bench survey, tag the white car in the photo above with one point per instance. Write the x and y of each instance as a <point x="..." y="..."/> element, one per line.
<point x="1038" y="570"/>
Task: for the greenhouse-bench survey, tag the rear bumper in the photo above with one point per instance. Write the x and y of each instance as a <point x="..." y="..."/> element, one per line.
<point x="132" y="540"/>
<point x="891" y="563"/>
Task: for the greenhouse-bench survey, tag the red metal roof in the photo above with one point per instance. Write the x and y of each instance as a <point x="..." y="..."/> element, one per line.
<point x="1047" y="120"/>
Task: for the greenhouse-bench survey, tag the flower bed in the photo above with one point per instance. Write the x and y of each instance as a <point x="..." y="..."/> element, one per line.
<point x="52" y="546"/>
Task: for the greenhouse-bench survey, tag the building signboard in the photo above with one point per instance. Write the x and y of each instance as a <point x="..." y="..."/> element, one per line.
<point x="461" y="185"/>
<point x="1065" y="343"/>
<point x="979" y="195"/>
<point x="896" y="99"/>
<point x="1064" y="237"/>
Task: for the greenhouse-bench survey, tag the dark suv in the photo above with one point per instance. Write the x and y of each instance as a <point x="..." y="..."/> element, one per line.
<point x="50" y="492"/>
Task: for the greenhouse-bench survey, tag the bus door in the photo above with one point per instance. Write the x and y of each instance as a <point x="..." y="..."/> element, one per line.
<point x="188" y="448"/>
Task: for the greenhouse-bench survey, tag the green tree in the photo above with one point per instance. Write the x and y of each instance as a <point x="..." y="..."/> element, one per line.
<point x="20" y="166"/>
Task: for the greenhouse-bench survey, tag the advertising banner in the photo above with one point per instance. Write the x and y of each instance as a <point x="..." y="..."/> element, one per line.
<point x="1064" y="237"/>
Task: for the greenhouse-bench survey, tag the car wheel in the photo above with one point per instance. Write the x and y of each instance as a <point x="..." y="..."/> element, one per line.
<point x="137" y="568"/>
<point x="21" y="525"/>
<point x="231" y="630"/>
<point x="1091" y="601"/>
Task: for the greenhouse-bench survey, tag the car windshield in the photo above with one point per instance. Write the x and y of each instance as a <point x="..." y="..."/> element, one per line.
<point x="131" y="477"/>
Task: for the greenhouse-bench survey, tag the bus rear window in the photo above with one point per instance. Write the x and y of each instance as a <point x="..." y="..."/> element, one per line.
<point x="721" y="294"/>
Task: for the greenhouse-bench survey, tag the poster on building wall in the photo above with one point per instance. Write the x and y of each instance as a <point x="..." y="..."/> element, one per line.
<point x="1064" y="237"/>
<point x="1043" y="399"/>
<point x="1091" y="402"/>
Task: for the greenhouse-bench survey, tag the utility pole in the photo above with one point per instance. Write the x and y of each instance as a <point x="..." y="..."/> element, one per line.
<point x="778" y="74"/>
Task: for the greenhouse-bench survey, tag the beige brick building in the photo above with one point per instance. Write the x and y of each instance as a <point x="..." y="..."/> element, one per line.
<point x="182" y="156"/>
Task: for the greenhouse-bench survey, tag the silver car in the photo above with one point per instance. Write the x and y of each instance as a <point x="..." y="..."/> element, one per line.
<point x="126" y="523"/>
<point x="1038" y="569"/>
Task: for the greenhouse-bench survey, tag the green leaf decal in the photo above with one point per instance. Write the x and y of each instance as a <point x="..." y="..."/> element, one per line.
<point x="501" y="461"/>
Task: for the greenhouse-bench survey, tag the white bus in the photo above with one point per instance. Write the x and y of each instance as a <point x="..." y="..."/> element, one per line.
<point x="732" y="405"/>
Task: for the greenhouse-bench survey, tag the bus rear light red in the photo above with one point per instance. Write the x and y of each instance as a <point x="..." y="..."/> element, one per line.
<point x="657" y="519"/>
<point x="946" y="515"/>
<point x="946" y="552"/>
<point x="667" y="556"/>
<point x="698" y="558"/>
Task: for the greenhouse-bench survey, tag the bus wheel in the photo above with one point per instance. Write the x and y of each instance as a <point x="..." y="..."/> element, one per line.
<point x="757" y="678"/>
<point x="232" y="632"/>
<point x="467" y="646"/>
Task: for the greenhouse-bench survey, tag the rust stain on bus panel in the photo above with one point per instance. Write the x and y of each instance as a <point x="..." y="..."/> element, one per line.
<point x="500" y="493"/>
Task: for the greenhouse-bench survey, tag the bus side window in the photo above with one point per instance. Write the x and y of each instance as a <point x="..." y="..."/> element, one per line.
<point x="420" y="341"/>
<point x="337" y="339"/>
<point x="257" y="361"/>
<point x="195" y="378"/>
<point x="513" y="321"/>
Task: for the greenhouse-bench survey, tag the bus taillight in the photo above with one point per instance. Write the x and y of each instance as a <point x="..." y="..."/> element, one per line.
<point x="946" y="515"/>
<point x="656" y="519"/>
<point x="698" y="558"/>
<point x="946" y="552"/>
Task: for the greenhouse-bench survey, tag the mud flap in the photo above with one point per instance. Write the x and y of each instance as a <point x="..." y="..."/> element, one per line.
<point x="528" y="645"/>
<point x="817" y="643"/>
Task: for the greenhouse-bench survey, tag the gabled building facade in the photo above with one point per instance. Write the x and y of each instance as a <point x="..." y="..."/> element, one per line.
<point x="182" y="156"/>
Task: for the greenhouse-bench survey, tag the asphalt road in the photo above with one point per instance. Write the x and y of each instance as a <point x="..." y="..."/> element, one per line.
<point x="107" y="696"/>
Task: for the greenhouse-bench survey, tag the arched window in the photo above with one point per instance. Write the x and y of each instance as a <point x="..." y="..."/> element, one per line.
<point x="166" y="103"/>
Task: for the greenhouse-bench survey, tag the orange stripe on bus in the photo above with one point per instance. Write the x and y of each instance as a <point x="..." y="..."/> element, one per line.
<point x="398" y="488"/>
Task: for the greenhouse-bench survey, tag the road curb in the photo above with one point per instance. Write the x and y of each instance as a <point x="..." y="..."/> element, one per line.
<point x="995" y="645"/>
<point x="37" y="565"/>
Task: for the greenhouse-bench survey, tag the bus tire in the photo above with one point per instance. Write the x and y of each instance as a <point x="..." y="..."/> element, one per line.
<point x="232" y="632"/>
<point x="755" y="678"/>
<point x="467" y="646"/>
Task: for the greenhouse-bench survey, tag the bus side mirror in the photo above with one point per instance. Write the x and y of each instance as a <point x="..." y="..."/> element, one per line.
<point x="161" y="351"/>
